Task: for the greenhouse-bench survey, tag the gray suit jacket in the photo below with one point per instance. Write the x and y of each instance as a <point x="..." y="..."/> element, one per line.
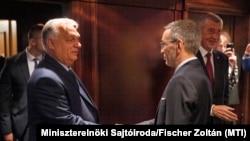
<point x="187" y="98"/>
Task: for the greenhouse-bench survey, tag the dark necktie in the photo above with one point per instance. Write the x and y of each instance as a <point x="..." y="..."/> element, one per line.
<point x="73" y="75"/>
<point x="36" y="62"/>
<point x="210" y="69"/>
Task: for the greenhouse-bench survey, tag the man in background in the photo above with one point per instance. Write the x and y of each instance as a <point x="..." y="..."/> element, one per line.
<point x="13" y="87"/>
<point x="215" y="64"/>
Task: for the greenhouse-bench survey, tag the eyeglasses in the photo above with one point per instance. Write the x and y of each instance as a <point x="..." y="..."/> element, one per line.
<point x="163" y="44"/>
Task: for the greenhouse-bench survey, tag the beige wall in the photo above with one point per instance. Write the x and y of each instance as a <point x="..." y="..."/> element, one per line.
<point x="8" y="37"/>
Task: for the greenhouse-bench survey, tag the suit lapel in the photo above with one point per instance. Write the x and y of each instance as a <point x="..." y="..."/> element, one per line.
<point x="77" y="83"/>
<point x="217" y="67"/>
<point x="64" y="74"/>
<point x="199" y="56"/>
<point x="23" y="64"/>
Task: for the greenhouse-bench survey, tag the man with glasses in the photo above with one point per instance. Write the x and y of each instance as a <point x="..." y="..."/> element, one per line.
<point x="187" y="97"/>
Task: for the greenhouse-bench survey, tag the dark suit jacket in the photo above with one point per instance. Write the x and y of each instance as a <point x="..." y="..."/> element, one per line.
<point x="54" y="98"/>
<point x="187" y="97"/>
<point x="221" y="86"/>
<point x="13" y="95"/>
<point x="2" y="63"/>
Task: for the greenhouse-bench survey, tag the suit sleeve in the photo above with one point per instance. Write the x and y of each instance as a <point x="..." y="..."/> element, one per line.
<point x="53" y="103"/>
<point x="181" y="101"/>
<point x="5" y="100"/>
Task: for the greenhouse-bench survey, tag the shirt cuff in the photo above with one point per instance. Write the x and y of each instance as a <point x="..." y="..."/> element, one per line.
<point x="211" y="110"/>
<point x="246" y="55"/>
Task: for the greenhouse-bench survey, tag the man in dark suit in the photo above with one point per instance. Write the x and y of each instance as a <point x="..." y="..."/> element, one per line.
<point x="13" y="87"/>
<point x="55" y="93"/>
<point x="187" y="98"/>
<point x="211" y="27"/>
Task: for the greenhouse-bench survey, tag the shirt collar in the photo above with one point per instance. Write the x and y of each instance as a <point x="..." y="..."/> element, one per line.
<point x="204" y="52"/>
<point x="184" y="62"/>
<point x="31" y="57"/>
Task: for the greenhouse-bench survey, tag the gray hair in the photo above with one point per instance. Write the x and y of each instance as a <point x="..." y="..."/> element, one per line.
<point x="188" y="32"/>
<point x="54" y="26"/>
<point x="210" y="16"/>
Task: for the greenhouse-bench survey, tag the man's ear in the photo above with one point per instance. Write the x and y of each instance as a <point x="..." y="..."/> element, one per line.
<point x="180" y="45"/>
<point x="50" y="43"/>
<point x="32" y="42"/>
